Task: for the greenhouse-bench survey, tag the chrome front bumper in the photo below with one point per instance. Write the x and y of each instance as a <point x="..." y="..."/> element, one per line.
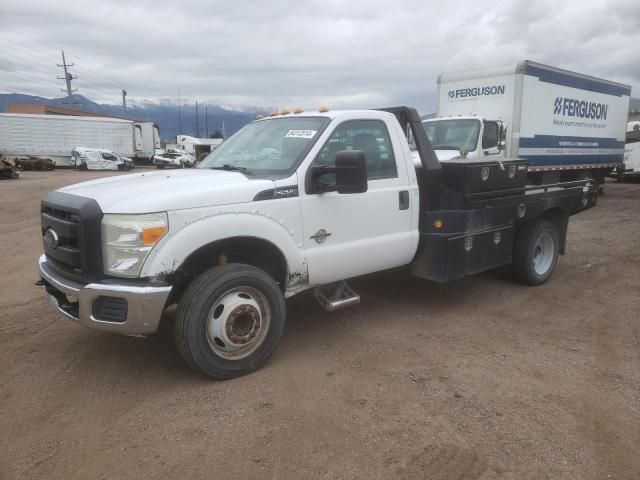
<point x="143" y="307"/>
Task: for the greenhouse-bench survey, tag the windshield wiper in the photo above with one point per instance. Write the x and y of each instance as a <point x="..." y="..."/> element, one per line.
<point x="232" y="168"/>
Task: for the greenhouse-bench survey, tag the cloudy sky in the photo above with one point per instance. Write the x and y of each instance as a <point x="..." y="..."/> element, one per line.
<point x="357" y="53"/>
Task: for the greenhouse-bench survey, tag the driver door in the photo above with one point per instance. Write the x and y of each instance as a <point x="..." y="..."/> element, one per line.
<point x="346" y="235"/>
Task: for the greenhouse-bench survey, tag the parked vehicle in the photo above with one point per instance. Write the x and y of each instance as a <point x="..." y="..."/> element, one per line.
<point x="566" y="125"/>
<point x="34" y="163"/>
<point x="631" y="165"/>
<point x="173" y="159"/>
<point x="8" y="169"/>
<point x="54" y="136"/>
<point x="198" y="147"/>
<point x="290" y="203"/>
<point x="99" y="159"/>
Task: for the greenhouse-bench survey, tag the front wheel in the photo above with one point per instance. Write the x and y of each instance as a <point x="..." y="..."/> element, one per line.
<point x="536" y="252"/>
<point x="230" y="321"/>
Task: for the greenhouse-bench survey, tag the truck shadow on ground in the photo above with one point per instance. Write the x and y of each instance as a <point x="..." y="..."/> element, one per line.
<point x="393" y="293"/>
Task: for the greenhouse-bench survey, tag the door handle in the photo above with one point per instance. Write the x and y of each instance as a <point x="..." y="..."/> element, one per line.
<point x="404" y="199"/>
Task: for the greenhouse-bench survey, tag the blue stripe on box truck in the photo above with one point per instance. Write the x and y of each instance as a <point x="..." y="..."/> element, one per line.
<point x="568" y="160"/>
<point x="559" y="141"/>
<point x="581" y="83"/>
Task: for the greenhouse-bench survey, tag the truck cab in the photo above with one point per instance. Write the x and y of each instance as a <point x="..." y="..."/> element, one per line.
<point x="469" y="136"/>
<point x="291" y="202"/>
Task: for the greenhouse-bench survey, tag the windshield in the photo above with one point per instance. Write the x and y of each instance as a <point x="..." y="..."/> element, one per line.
<point x="453" y="134"/>
<point x="270" y="147"/>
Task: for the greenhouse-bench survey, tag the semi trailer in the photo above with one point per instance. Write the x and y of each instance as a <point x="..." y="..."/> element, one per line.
<point x="566" y="125"/>
<point x="291" y="202"/>
<point x="55" y="136"/>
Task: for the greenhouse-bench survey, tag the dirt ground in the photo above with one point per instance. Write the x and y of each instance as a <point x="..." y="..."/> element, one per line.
<point x="478" y="379"/>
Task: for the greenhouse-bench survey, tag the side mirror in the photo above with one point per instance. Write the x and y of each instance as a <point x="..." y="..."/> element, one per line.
<point x="502" y="137"/>
<point x="490" y="135"/>
<point x="350" y="172"/>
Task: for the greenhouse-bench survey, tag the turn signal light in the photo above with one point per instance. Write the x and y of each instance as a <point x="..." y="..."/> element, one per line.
<point x="438" y="224"/>
<point x="151" y="236"/>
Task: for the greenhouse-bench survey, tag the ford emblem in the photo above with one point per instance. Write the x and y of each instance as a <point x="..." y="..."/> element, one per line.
<point x="51" y="239"/>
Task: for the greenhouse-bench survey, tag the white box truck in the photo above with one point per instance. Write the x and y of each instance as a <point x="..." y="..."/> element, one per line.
<point x="54" y="136"/>
<point x="631" y="167"/>
<point x="565" y="124"/>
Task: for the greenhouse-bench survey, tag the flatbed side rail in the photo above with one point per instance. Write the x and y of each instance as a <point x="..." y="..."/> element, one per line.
<point x="561" y="185"/>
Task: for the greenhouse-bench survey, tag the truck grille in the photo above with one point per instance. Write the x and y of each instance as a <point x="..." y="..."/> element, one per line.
<point x="71" y="235"/>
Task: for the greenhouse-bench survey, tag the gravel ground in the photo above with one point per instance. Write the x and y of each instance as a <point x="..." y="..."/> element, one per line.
<point x="478" y="379"/>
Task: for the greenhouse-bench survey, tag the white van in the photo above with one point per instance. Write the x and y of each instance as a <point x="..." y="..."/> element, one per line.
<point x="98" y="159"/>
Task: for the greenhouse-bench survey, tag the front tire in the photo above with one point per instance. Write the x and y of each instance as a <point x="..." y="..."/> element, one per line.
<point x="230" y="321"/>
<point x="536" y="252"/>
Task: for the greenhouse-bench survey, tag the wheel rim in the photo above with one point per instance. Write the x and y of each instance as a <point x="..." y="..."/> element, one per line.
<point x="543" y="253"/>
<point x="238" y="323"/>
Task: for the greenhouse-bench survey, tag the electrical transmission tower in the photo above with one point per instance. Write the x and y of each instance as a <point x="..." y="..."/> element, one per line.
<point x="67" y="78"/>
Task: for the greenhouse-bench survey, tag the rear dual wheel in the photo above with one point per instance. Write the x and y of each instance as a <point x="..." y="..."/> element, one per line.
<point x="536" y="252"/>
<point x="230" y="321"/>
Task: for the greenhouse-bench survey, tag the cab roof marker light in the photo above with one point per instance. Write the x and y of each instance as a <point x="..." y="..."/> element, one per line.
<point x="298" y="110"/>
<point x="273" y="114"/>
<point x="259" y="116"/>
<point x="285" y="111"/>
<point x="323" y="109"/>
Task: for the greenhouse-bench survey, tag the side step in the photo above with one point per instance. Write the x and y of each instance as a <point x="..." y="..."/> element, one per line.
<point x="342" y="297"/>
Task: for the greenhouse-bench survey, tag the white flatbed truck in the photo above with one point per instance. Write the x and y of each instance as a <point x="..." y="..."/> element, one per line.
<point x="289" y="203"/>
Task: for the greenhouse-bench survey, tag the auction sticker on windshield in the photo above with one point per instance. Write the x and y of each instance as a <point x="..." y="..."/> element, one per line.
<point x="300" y="133"/>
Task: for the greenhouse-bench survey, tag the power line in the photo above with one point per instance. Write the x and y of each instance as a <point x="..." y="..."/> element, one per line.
<point x="72" y="56"/>
<point x="28" y="70"/>
<point x="98" y="78"/>
<point x="31" y="75"/>
<point x="41" y="58"/>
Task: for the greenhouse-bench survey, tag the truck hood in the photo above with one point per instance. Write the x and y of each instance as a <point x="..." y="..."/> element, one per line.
<point x="163" y="191"/>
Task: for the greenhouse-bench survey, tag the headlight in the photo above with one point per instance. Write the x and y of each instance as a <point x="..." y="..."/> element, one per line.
<point x="128" y="239"/>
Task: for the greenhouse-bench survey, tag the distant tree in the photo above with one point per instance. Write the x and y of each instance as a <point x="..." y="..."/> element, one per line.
<point x="217" y="134"/>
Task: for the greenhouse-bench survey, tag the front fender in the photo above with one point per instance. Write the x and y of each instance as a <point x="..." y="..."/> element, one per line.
<point x="197" y="231"/>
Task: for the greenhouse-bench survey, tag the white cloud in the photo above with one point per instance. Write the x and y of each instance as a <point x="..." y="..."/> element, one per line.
<point x="286" y="52"/>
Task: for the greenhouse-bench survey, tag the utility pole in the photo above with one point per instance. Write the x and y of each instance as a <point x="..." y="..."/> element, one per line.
<point x="67" y="78"/>
<point x="197" y="126"/>
<point x="179" y="115"/>
<point x="124" y="100"/>
<point x="224" y="135"/>
<point x="206" y="119"/>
